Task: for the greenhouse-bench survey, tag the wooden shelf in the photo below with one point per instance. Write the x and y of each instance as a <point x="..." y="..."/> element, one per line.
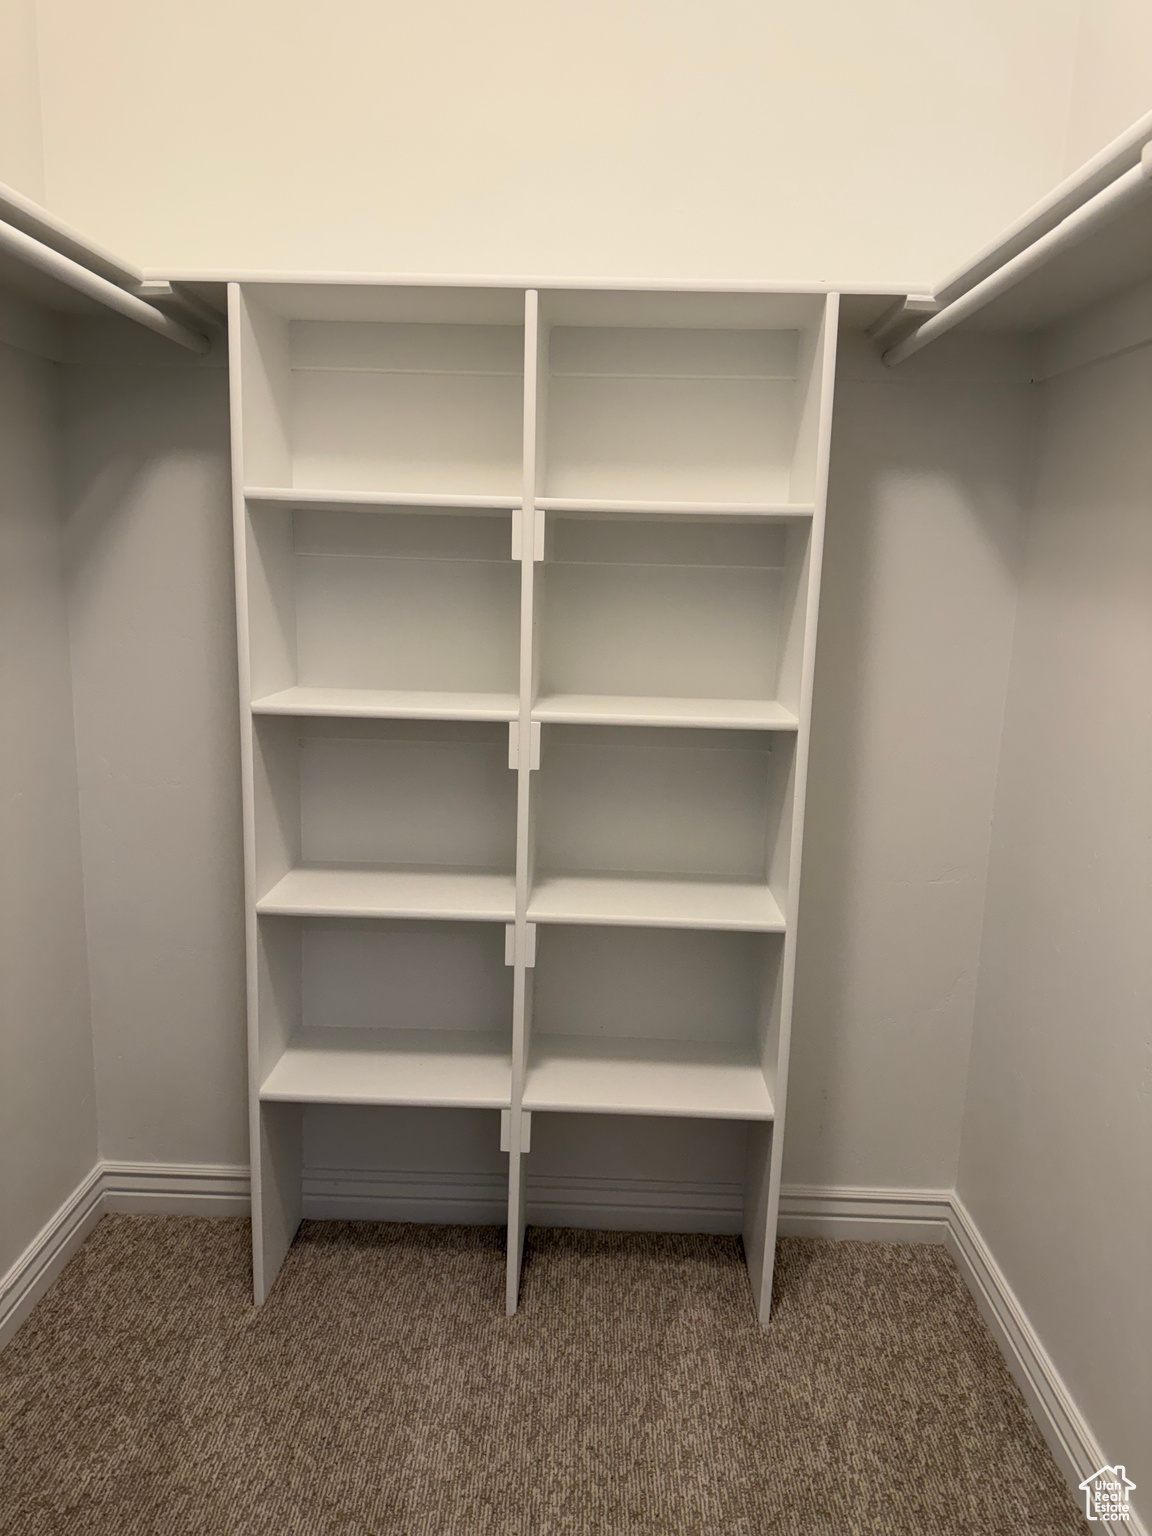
<point x="681" y="446"/>
<point x="436" y="1068"/>
<point x="388" y="704"/>
<point x="350" y="501"/>
<point x="369" y="891"/>
<point x="625" y="709"/>
<point x="625" y="508"/>
<point x="642" y="901"/>
<point x="606" y="1075"/>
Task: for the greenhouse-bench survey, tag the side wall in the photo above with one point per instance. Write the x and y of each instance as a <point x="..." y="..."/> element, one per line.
<point x="931" y="468"/>
<point x="47" y="1093"/>
<point x="154" y="677"/>
<point x="1057" y="1141"/>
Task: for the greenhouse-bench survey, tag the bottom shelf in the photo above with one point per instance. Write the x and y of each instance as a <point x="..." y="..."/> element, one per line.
<point x="436" y="1068"/>
<point x="595" y="1074"/>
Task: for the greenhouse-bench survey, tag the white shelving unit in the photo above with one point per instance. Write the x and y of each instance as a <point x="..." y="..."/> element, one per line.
<point x="527" y="589"/>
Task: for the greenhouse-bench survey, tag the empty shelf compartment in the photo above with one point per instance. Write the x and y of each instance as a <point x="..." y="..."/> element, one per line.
<point x="653" y="825"/>
<point x="645" y="1077"/>
<point x="382" y="602"/>
<point x="637" y="709"/>
<point x="653" y="1022"/>
<point x="395" y="391"/>
<point x="384" y="1012"/>
<point x="388" y="704"/>
<point x="690" y="620"/>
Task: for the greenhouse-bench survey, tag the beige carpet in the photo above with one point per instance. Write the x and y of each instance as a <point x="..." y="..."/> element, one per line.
<point x="382" y="1390"/>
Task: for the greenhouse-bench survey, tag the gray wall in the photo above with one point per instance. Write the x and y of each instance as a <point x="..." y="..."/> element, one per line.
<point x="1057" y="1142"/>
<point x="930" y="471"/>
<point x="154" y="676"/>
<point x="47" y="1095"/>
<point x="929" y="484"/>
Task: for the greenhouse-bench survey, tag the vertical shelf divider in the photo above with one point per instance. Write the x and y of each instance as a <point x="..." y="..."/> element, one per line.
<point x="522" y="989"/>
<point x="274" y="1130"/>
<point x="765" y="1150"/>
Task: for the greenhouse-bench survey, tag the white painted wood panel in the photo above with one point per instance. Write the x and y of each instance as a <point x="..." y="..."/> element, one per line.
<point x="645" y="1077"/>
<point x="332" y="891"/>
<point x="387" y="704"/>
<point x="369" y="1066"/>
<point x="667" y="903"/>
<point x="699" y="506"/>
<point x="633" y="709"/>
<point x="364" y="501"/>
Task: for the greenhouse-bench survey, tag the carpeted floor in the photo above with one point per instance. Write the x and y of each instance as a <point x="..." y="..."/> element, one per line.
<point x="382" y="1390"/>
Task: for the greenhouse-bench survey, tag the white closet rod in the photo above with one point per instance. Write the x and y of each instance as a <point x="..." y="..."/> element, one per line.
<point x="1077" y="226"/>
<point x="1092" y="177"/>
<point x="83" y="280"/>
<point x="23" y="214"/>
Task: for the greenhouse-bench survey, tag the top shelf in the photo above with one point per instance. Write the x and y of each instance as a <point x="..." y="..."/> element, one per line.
<point x="645" y="404"/>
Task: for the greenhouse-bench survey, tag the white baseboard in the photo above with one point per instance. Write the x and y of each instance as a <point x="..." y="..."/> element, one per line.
<point x="183" y="1189"/>
<point x="352" y="1194"/>
<point x="628" y="1205"/>
<point x="871" y="1215"/>
<point x="634" y="1205"/>
<point x="625" y="1205"/>
<point x="879" y="1215"/>
<point x="1077" y="1452"/>
<point x="48" y="1252"/>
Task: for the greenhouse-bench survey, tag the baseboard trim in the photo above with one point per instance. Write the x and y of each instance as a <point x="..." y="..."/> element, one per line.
<point x="870" y="1215"/>
<point x="645" y="1205"/>
<point x="46" y="1255"/>
<point x="877" y="1215"/>
<point x="1077" y="1452"/>
<point x="169" y="1189"/>
<point x="634" y="1205"/>
<point x="624" y="1205"/>
<point x="352" y="1194"/>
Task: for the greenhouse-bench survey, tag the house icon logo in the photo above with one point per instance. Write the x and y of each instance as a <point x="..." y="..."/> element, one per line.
<point x="1106" y="1494"/>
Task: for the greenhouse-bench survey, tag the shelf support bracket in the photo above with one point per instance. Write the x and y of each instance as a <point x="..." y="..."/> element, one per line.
<point x="533" y="744"/>
<point x="506" y="1130"/>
